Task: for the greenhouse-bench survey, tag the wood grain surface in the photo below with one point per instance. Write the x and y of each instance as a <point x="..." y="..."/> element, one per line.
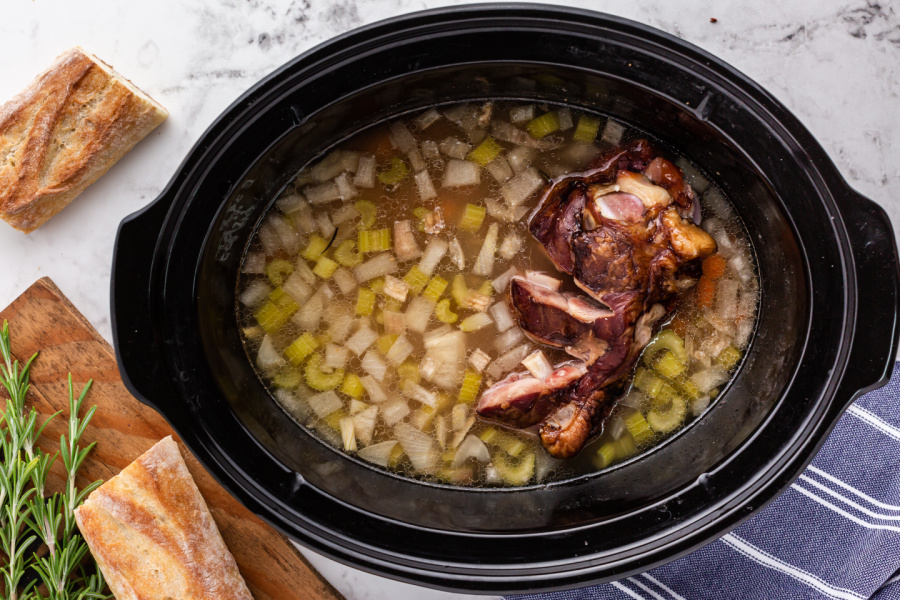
<point x="43" y="320"/>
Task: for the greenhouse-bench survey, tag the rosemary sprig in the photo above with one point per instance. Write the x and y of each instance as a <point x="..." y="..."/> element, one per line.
<point x="45" y="554"/>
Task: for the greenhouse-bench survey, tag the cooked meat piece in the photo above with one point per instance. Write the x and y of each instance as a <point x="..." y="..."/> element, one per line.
<point x="521" y="400"/>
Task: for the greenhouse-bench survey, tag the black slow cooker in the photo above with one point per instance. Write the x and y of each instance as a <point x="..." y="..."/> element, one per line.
<point x="826" y="333"/>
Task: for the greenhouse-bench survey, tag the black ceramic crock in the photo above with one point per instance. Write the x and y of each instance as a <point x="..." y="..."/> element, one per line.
<point x="826" y="332"/>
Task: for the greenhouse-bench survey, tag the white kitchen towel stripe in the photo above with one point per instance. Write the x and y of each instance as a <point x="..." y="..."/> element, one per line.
<point x="835" y="534"/>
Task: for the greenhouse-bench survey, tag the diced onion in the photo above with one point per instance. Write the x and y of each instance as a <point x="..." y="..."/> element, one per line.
<point x="322" y="193"/>
<point x="287" y="235"/>
<point x="427" y="119"/>
<point x="520" y="157"/>
<point x="326" y="227"/>
<point x="538" y="365"/>
<point x="394" y="322"/>
<point x="377" y="266"/>
<point x="507" y="362"/>
<point x="309" y="315"/>
<point x="458" y="416"/>
<point x="435" y="250"/>
<point x="508" y="339"/>
<point x="268" y="357"/>
<point x="348" y="434"/>
<point x="510" y="246"/>
<point x="479" y="359"/>
<point x="710" y="378"/>
<point x="456" y="254"/>
<point x="565" y="119"/>
<point x="521" y="114"/>
<point x="325" y="403"/>
<point x="425" y="186"/>
<point x="405" y="246"/>
<point x="455" y="148"/>
<point x="461" y="173"/>
<point x="499" y="169"/>
<point x="373" y="389"/>
<point x="364" y="424"/>
<point x="365" y="173"/>
<point x="400" y="350"/>
<point x="290" y="202"/>
<point x="335" y="163"/>
<point x="254" y="263"/>
<point x="255" y="293"/>
<point x="612" y="132"/>
<point x="416" y="392"/>
<point x="520" y="188"/>
<point x="475" y="322"/>
<point x="336" y="357"/>
<point x="418" y="313"/>
<point x="344" y="280"/>
<point x="484" y="263"/>
<point x="403" y="136"/>
<point x="396" y="288"/>
<point x="471" y="447"/>
<point x="360" y="341"/>
<point x="345" y="187"/>
<point x="269" y="239"/>
<point x="501" y="282"/>
<point x="419" y="447"/>
<point x="379" y="454"/>
<point x="373" y="365"/>
<point x="448" y="354"/>
<point x="440" y="430"/>
<point x="431" y="151"/>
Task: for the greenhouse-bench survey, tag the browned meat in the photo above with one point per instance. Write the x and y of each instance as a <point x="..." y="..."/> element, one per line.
<point x="617" y="230"/>
<point x="522" y="400"/>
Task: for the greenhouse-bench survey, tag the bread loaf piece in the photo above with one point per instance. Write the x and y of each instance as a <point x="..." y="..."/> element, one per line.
<point x="153" y="536"/>
<point x="63" y="132"/>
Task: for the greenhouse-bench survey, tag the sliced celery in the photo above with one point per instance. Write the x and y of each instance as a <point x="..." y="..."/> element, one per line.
<point x="605" y="456"/>
<point x="334" y="419"/>
<point x="374" y="240"/>
<point x="287" y="378"/>
<point x="473" y="217"/>
<point x="485" y="152"/>
<point x="365" y="302"/>
<point x="300" y="348"/>
<point x="283" y="300"/>
<point x="416" y="280"/>
<point x="486" y="288"/>
<point x="670" y="340"/>
<point x="278" y="270"/>
<point x="507" y="442"/>
<point x="385" y="342"/>
<point x="317" y="245"/>
<point x="395" y="174"/>
<point x="638" y="427"/>
<point x="352" y="387"/>
<point x="471" y="383"/>
<point x="459" y="290"/>
<point x="514" y="472"/>
<point x="648" y="382"/>
<point x="377" y="285"/>
<point x="586" y="130"/>
<point x="728" y="358"/>
<point x="318" y="380"/>
<point x="667" y="365"/>
<point x="543" y="125"/>
<point x="271" y="318"/>
<point x="368" y="211"/>
<point x="686" y="388"/>
<point x="442" y="312"/>
<point x="667" y="419"/>
<point x="347" y="255"/>
<point x="325" y="267"/>
<point x="396" y="456"/>
<point x="435" y="288"/>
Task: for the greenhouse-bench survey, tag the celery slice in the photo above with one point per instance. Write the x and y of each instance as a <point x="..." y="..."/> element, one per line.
<point x="409" y="370"/>
<point x="352" y="387"/>
<point x="605" y="456"/>
<point x="473" y="217"/>
<point x="485" y="152"/>
<point x="325" y="267"/>
<point x="459" y="290"/>
<point x="278" y="270"/>
<point x="507" y="442"/>
<point x="416" y="280"/>
<point x="283" y="300"/>
<point x="300" y="348"/>
<point x="287" y="378"/>
<point x="395" y="174"/>
<point x="586" y="130"/>
<point x="315" y="249"/>
<point x="543" y="125"/>
<point x="670" y="340"/>
<point x="515" y="472"/>
<point x="385" y="342"/>
<point x="347" y="255"/>
<point x="435" y="288"/>
<point x="367" y="211"/>
<point x="271" y="318"/>
<point x="648" y="382"/>
<point x="638" y="427"/>
<point x="666" y="364"/>
<point x="374" y="240"/>
<point x="442" y="312"/>
<point x="318" y="380"/>
<point x="471" y="383"/>
<point x="728" y="358"/>
<point x="666" y="420"/>
<point x="365" y="302"/>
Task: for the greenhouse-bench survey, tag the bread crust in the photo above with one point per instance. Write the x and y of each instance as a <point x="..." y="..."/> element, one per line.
<point x="153" y="536"/>
<point x="64" y="131"/>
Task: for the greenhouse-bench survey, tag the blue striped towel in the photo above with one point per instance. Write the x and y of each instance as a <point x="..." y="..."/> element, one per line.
<point x="835" y="533"/>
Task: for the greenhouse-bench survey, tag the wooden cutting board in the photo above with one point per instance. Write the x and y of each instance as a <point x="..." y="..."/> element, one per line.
<point x="43" y="320"/>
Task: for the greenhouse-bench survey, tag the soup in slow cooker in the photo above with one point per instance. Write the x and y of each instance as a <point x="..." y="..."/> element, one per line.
<point x="497" y="293"/>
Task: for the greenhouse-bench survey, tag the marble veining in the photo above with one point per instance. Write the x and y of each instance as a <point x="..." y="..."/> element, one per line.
<point x="834" y="63"/>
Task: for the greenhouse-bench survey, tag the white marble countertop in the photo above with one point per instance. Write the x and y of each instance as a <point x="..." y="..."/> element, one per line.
<point x="834" y="63"/>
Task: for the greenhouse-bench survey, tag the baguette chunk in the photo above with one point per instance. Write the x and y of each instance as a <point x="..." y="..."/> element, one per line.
<point x="153" y="536"/>
<point x="64" y="131"/>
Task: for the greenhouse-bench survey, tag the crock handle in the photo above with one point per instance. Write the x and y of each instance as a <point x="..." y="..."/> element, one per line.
<point x="878" y="277"/>
<point x="130" y="306"/>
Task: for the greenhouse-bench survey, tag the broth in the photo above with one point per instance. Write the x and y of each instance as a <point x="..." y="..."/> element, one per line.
<point x="372" y="298"/>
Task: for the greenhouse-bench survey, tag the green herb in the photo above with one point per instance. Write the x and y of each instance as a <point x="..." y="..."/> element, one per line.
<point x="38" y="534"/>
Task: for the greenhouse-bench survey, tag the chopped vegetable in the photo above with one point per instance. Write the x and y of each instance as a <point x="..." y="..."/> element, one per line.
<point x="416" y="392"/>
<point x="460" y="173"/>
<point x="300" y="348"/>
<point x="666" y="420"/>
<point x="352" y="387"/>
<point x="667" y="365"/>
<point x="365" y="302"/>
<point x="503" y="317"/>
<point x="479" y="359"/>
<point x="520" y="157"/>
<point x="484" y="263"/>
<point x="521" y="187"/>
<point x="323" y="193"/>
<point x="400" y="350"/>
<point x="348" y="434"/>
<point x="324" y="404"/>
<point x="512" y="472"/>
<point x="507" y="362"/>
<point x="487" y="151"/>
<point x="475" y="322"/>
<point x="586" y="130"/>
<point x="374" y="366"/>
<point x="309" y="316"/>
<point x="637" y="426"/>
<point x="365" y="172"/>
<point x="454" y="148"/>
<point x="728" y="358"/>
<point x="377" y="266"/>
<point x="605" y="455"/>
<point x="334" y="164"/>
<point x="379" y="453"/>
<point x="538" y="365"/>
<point x="418" y="313"/>
<point x="508" y="339"/>
<point x="278" y="270"/>
<point x="393" y="411"/>
<point x="396" y="288"/>
<point x="565" y="119"/>
<point x="325" y="267"/>
<point x="271" y="317"/>
<point x="360" y="341"/>
<point x="612" y="132"/>
<point x="364" y="424"/>
<point x="473" y="216"/>
<point x="373" y="389"/>
<point x="344" y="280"/>
<point x="336" y="357"/>
<point x="317" y="245"/>
<point x="317" y="379"/>
<point x="368" y="212"/>
<point x="435" y="250"/>
<point x="405" y="246"/>
<point x="500" y="170"/>
<point x="714" y="267"/>
<point x="419" y="447"/>
<point x="667" y="339"/>
<point x="415" y="280"/>
<point x="298" y="288"/>
<point x="374" y="240"/>
<point x="470" y="448"/>
<point x="471" y="383"/>
<point x="346" y="254"/>
<point x="287" y="378"/>
<point x="427" y="119"/>
<point x="255" y="293"/>
<point x="543" y="126"/>
<point x="268" y="357"/>
<point x="404" y="138"/>
<point x="435" y="288"/>
<point x="397" y="172"/>
<point x="521" y="114"/>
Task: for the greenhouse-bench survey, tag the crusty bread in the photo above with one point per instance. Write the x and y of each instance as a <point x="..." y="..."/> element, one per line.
<point x="63" y="132"/>
<point x="153" y="536"/>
